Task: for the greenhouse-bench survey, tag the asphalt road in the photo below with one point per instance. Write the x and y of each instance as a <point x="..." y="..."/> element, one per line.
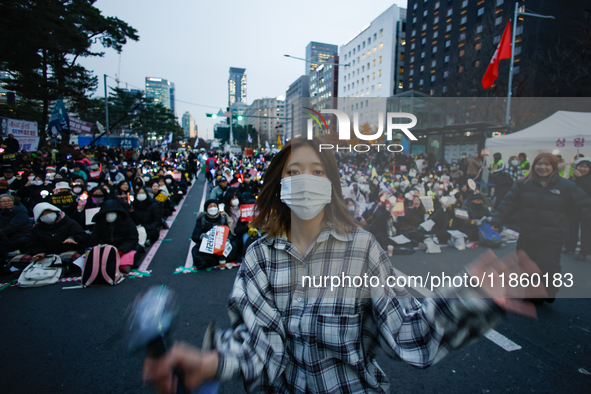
<point x="57" y="340"/>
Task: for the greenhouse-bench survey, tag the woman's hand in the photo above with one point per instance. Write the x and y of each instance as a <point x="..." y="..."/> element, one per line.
<point x="70" y="240"/>
<point x="197" y="367"/>
<point x="38" y="256"/>
<point x="496" y="273"/>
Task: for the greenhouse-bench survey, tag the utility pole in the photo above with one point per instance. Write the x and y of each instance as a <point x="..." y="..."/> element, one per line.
<point x="106" y="108"/>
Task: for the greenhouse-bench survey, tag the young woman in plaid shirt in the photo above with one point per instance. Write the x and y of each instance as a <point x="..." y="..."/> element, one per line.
<point x="288" y="337"/>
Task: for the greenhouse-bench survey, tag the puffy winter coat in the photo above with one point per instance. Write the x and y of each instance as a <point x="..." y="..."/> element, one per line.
<point x="147" y="213"/>
<point x="49" y="238"/>
<point x="543" y="211"/>
<point x="122" y="233"/>
<point x="14" y="222"/>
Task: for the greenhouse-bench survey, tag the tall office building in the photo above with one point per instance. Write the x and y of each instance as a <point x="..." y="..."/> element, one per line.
<point x="323" y="88"/>
<point x="172" y="106"/>
<point x="237" y="86"/>
<point x="318" y="53"/>
<point x="267" y="116"/>
<point x="296" y="99"/>
<point x="188" y="125"/>
<point x="374" y="69"/>
<point x="161" y="91"/>
<point x="451" y="42"/>
<point x="3" y="92"/>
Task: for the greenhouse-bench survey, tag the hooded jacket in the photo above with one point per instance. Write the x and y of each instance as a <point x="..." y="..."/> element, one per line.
<point x="122" y="233"/>
<point x="49" y="238"/>
<point x="147" y="213"/>
<point x="543" y="211"/>
<point x="14" y="222"/>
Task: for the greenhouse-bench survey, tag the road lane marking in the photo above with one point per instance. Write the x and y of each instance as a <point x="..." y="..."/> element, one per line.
<point x="492" y="335"/>
<point x="189" y="260"/>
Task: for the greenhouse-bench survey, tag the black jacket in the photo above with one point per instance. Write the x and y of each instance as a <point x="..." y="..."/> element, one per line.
<point x="205" y="223"/>
<point x="147" y="213"/>
<point x="584" y="183"/>
<point x="122" y="233"/>
<point x="14" y="222"/>
<point x="48" y="239"/>
<point x="543" y="211"/>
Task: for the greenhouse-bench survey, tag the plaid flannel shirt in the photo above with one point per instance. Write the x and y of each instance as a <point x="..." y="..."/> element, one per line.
<point x="283" y="340"/>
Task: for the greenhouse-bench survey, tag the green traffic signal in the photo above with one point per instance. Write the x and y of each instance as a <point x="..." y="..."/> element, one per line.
<point x="211" y="115"/>
<point x="239" y="117"/>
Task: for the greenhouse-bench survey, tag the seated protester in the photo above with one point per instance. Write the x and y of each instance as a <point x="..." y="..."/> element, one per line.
<point x="443" y="218"/>
<point x="14" y="229"/>
<point x="123" y="194"/>
<point x="97" y="197"/>
<point x="414" y="215"/>
<point x="477" y="210"/>
<point x="378" y="220"/>
<point x="63" y="198"/>
<point x="248" y="187"/>
<point x="206" y="221"/>
<point x="4" y="187"/>
<point x="115" y="176"/>
<point x="160" y="196"/>
<point x="113" y="226"/>
<point x="79" y="172"/>
<point x="218" y="192"/>
<point x="175" y="195"/>
<point x="354" y="212"/>
<point x="183" y="183"/>
<point x="55" y="233"/>
<point x="145" y="212"/>
<point x="237" y="227"/>
<point x="14" y="182"/>
<point x="78" y="187"/>
<point x="31" y="194"/>
<point x="139" y="181"/>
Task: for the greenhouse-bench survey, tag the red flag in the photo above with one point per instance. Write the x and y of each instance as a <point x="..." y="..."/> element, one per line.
<point x="503" y="52"/>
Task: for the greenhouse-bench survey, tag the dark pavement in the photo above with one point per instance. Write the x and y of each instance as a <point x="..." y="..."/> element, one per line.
<point x="57" y="340"/>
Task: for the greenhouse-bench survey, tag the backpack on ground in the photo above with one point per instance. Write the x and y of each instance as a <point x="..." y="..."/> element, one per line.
<point x="44" y="272"/>
<point x="101" y="266"/>
<point x="489" y="237"/>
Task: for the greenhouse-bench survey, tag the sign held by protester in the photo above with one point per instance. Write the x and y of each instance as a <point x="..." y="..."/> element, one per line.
<point x="216" y="242"/>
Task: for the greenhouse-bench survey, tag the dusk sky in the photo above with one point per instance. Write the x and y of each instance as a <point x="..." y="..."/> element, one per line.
<point x="194" y="43"/>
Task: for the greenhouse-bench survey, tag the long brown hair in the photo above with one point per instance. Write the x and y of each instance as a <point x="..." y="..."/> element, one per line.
<point x="275" y="217"/>
<point x="553" y="160"/>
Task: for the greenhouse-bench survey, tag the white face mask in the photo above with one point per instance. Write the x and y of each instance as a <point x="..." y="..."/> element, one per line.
<point x="169" y="181"/>
<point x="306" y="195"/>
<point x="213" y="211"/>
<point x="147" y="178"/>
<point x="351" y="208"/>
<point x="514" y="162"/>
<point x="31" y="178"/>
<point x="141" y="197"/>
<point x="77" y="190"/>
<point x="235" y="202"/>
<point x="37" y="183"/>
<point x="50" y="218"/>
<point x="111" y="217"/>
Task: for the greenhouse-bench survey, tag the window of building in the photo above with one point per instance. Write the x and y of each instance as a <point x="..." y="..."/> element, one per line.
<point x="422" y="68"/>
<point x="424" y="27"/>
<point x="464" y="3"/>
<point x="362" y="68"/>
<point x="381" y="46"/>
<point x="498" y="20"/>
<point x="434" y="50"/>
<point x="518" y="31"/>
<point x="425" y="13"/>
<point x="420" y="82"/>
<point x="368" y="53"/>
<point x="363" y="57"/>
<point x="433" y="78"/>
<point x="500" y="2"/>
<point x="412" y="59"/>
<point x="402" y="56"/>
<point x="369" y="41"/>
<point x="517" y="50"/>
<point x="410" y="85"/>
<point x="363" y="44"/>
<point x="497" y="39"/>
<point x="437" y="5"/>
<point x="375" y="36"/>
<point x="445" y="74"/>
<point x="478" y="46"/>
<point x="358" y="48"/>
<point x="435" y="34"/>
<point x="373" y="88"/>
<point x="412" y="46"/>
<point x="444" y="89"/>
<point x="450" y="11"/>
<point x="400" y="85"/>
<point x="381" y="32"/>
<point x="433" y="63"/>
<point x="411" y="72"/>
<point x="413" y="33"/>
<point x="373" y="63"/>
<point x="422" y="55"/>
<point x="461" y="53"/>
<point x="448" y="28"/>
<point x="402" y="42"/>
<point x="379" y="85"/>
<point x="516" y="70"/>
<point x="477" y="63"/>
<point x="462" y="36"/>
<point x="479" y="29"/>
<point x="446" y="59"/>
<point x="380" y="60"/>
<point x="480" y="11"/>
<point x="463" y="20"/>
<point x="401" y="70"/>
<point x="353" y="51"/>
<point x="415" y="5"/>
<point x="379" y="73"/>
<point x="414" y="20"/>
<point x="460" y="69"/>
<point x="373" y="75"/>
<point x="436" y="20"/>
<point x="423" y="40"/>
<point x="447" y="43"/>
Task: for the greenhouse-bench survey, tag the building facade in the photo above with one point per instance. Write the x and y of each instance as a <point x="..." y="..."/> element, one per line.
<point x="450" y="44"/>
<point x="318" y="53"/>
<point x="267" y="116"/>
<point x="371" y="68"/>
<point x="323" y="88"/>
<point x="160" y="90"/>
<point x="237" y="86"/>
<point x="188" y="124"/>
<point x="296" y="99"/>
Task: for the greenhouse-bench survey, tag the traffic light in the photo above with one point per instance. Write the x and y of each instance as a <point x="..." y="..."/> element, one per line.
<point x="239" y="117"/>
<point x="211" y="115"/>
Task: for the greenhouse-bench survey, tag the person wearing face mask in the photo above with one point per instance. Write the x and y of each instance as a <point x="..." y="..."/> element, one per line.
<point x="354" y="212"/>
<point x="206" y="221"/>
<point x="238" y="228"/>
<point x="55" y="233"/>
<point x="113" y="226"/>
<point x="63" y="198"/>
<point x="160" y="196"/>
<point x="513" y="169"/>
<point x="97" y="197"/>
<point x="146" y="213"/>
<point x="543" y="201"/>
<point x="31" y="193"/>
<point x="14" y="229"/>
<point x="287" y="336"/>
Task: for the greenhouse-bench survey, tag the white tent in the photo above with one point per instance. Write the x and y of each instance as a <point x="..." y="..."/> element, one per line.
<point x="561" y="133"/>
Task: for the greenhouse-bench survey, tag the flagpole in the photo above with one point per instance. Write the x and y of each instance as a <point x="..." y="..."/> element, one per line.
<point x="106" y="108"/>
<point x="509" y="88"/>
